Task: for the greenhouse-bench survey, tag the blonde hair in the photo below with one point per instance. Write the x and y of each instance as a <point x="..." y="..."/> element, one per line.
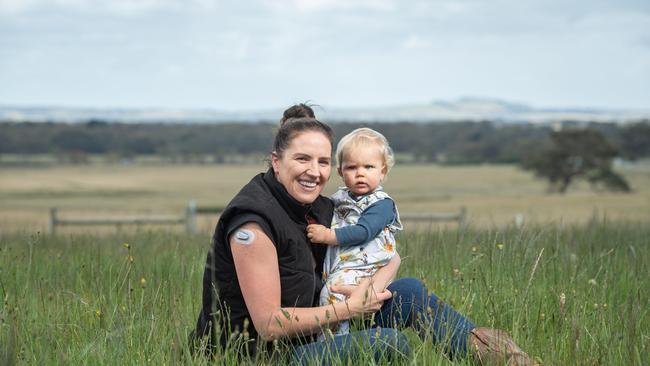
<point x="364" y="137"/>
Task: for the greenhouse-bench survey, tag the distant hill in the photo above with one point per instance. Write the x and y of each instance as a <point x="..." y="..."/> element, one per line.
<point x="464" y="109"/>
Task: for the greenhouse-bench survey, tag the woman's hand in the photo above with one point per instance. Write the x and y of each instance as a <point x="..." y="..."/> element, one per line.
<point x="362" y="298"/>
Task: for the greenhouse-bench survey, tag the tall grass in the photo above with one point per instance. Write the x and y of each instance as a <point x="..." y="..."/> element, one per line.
<point x="569" y="295"/>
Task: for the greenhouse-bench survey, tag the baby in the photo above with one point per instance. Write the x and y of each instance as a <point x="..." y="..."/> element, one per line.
<point x="365" y="218"/>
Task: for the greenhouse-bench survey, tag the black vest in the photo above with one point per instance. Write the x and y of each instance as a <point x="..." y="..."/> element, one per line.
<point x="300" y="263"/>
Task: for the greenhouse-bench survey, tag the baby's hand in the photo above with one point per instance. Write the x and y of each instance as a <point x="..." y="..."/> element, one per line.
<point x="320" y="234"/>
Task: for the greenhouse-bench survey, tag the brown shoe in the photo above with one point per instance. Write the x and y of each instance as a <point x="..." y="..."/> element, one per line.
<point x="495" y="347"/>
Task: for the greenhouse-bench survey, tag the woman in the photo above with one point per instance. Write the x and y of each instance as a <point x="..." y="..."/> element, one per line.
<point x="262" y="277"/>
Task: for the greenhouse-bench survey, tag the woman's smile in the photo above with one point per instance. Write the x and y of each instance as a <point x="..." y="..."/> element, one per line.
<point x="308" y="184"/>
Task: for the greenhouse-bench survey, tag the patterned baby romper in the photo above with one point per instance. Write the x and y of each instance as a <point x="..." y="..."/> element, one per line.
<point x="347" y="265"/>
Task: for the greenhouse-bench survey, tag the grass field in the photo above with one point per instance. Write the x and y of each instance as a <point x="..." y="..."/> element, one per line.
<point x="571" y="285"/>
<point x="493" y="195"/>
<point x="570" y="295"/>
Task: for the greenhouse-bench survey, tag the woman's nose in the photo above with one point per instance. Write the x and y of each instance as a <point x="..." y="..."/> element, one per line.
<point x="313" y="168"/>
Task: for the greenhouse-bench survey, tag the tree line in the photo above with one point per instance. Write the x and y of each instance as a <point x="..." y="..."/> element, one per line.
<point x="447" y="143"/>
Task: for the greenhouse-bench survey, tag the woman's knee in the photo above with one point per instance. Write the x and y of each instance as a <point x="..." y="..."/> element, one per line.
<point x="408" y="302"/>
<point x="409" y="289"/>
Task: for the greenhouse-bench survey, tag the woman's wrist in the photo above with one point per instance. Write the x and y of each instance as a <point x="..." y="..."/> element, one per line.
<point x="343" y="310"/>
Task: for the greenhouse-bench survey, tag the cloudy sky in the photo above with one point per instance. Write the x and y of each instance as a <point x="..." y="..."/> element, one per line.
<point x="258" y="54"/>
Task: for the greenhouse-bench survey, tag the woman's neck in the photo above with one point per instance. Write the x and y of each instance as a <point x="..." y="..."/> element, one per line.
<point x="296" y="210"/>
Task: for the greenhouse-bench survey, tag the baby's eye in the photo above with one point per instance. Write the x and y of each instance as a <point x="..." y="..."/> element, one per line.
<point x="369" y="166"/>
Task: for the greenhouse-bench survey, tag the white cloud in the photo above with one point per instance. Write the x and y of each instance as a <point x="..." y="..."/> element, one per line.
<point x="116" y="7"/>
<point x="456" y="7"/>
<point x="312" y="6"/>
<point x="13" y="7"/>
<point x="415" y="42"/>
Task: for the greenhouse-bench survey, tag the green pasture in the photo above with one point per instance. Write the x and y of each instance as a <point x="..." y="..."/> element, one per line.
<point x="492" y="194"/>
<point x="569" y="294"/>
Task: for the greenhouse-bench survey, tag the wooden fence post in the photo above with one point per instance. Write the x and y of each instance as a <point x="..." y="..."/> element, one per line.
<point x="190" y="217"/>
<point x="53" y="221"/>
<point x="462" y="217"/>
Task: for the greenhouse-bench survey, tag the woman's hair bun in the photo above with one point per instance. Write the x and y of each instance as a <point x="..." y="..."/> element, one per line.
<point x="295" y="120"/>
<point x="301" y="110"/>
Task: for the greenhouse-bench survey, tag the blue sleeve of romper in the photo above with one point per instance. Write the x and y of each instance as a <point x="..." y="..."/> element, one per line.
<point x="372" y="221"/>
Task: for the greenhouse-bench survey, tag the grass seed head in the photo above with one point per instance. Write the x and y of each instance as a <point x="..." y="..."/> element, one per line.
<point x="286" y="314"/>
<point x="593" y="282"/>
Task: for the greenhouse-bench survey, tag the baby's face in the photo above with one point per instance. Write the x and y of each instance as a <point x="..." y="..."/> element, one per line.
<point x="362" y="170"/>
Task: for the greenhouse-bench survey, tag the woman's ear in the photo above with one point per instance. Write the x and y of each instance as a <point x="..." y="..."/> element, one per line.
<point x="275" y="162"/>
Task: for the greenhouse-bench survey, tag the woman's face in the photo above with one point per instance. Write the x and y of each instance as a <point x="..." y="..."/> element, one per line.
<point x="304" y="167"/>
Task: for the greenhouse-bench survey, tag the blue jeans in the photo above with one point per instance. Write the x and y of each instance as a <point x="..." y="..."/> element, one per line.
<point x="411" y="306"/>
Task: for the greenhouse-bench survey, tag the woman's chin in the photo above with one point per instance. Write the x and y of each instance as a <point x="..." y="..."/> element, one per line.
<point x="306" y="196"/>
